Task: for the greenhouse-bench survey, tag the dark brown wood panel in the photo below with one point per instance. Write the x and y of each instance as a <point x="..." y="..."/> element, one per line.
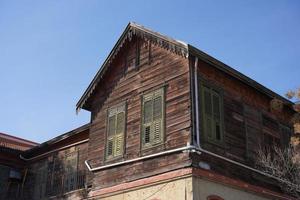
<point x="163" y="69"/>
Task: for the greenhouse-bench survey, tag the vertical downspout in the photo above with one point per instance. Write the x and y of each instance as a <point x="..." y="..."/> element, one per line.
<point x="192" y="101"/>
<point x="196" y="101"/>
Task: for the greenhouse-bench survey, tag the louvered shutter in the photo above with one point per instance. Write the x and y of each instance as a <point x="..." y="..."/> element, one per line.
<point x="116" y="130"/>
<point x="157" y="117"/>
<point x="110" y="147"/>
<point x="212" y="114"/>
<point x="285" y="135"/>
<point x="147" y="118"/>
<point x="118" y="150"/>
<point x="208" y="118"/>
<point x="152" y="118"/>
<point x="216" y="116"/>
<point x="111" y="134"/>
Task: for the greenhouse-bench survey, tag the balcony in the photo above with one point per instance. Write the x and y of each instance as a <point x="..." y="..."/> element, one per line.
<point x="66" y="183"/>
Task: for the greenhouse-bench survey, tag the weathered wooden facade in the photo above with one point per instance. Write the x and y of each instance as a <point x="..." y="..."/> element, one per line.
<point x="213" y="117"/>
<point x="167" y="122"/>
<point x="11" y="166"/>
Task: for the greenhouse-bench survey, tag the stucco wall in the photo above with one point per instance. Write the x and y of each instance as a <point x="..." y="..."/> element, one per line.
<point x="180" y="189"/>
<point x="203" y="188"/>
<point x="187" y="188"/>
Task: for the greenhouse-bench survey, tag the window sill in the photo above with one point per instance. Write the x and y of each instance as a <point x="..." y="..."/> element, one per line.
<point x="114" y="159"/>
<point x="220" y="144"/>
<point x="149" y="149"/>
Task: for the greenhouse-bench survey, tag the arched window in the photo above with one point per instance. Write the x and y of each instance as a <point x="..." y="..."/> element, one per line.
<point x="214" y="197"/>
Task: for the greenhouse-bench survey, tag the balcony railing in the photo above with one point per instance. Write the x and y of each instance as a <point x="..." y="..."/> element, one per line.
<point x="66" y="183"/>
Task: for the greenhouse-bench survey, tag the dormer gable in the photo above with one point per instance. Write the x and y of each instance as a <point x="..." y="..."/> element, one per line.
<point x="131" y="33"/>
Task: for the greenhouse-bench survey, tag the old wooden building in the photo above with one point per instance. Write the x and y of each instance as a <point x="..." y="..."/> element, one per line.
<point x="11" y="166"/>
<point x="167" y="122"/>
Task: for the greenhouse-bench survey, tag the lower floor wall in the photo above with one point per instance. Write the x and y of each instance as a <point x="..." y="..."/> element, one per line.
<point x="208" y="190"/>
<point x="4" y="173"/>
<point x="171" y="190"/>
<point x="186" y="187"/>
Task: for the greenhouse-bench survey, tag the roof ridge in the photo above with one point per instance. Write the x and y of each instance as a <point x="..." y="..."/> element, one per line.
<point x="19" y="138"/>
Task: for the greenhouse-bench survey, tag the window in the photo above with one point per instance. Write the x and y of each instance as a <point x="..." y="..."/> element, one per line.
<point x="212" y="114"/>
<point x="153" y="118"/>
<point x="70" y="169"/>
<point x="115" y="132"/>
<point x="285" y="135"/>
<point x="271" y="135"/>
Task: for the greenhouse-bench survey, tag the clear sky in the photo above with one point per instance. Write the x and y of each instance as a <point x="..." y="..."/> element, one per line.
<point x="51" y="50"/>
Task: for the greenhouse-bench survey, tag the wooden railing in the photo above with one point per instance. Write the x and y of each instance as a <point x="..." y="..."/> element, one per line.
<point x="66" y="183"/>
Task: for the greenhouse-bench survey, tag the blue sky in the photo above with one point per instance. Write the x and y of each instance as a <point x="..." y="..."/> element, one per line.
<point x="50" y="50"/>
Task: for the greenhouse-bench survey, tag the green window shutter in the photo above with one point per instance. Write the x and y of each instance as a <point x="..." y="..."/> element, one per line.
<point x="208" y="121"/>
<point x="157" y="118"/>
<point x="147" y="134"/>
<point x="285" y="135"/>
<point x="148" y="112"/>
<point x="111" y="134"/>
<point x="147" y="118"/>
<point x="157" y="132"/>
<point x="216" y="116"/>
<point x="112" y="125"/>
<point x="212" y="114"/>
<point x="152" y="123"/>
<point x="110" y="147"/>
<point x="120" y="123"/>
<point x="118" y="148"/>
<point x="157" y="108"/>
<point x="116" y="131"/>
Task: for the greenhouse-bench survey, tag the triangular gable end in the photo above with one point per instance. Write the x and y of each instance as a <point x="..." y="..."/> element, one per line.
<point x="132" y="29"/>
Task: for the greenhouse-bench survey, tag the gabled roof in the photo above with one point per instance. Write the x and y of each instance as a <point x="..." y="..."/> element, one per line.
<point x="238" y="75"/>
<point x="132" y="29"/>
<point x="63" y="137"/>
<point x="174" y="46"/>
<point x="15" y="142"/>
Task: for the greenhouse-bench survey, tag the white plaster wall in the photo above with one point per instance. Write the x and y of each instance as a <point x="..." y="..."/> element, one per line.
<point x="203" y="188"/>
<point x="172" y="190"/>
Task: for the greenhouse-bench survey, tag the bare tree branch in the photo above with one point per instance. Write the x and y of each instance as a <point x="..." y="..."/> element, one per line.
<point x="281" y="163"/>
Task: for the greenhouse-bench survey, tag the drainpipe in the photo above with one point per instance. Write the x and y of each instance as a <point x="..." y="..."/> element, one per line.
<point x="186" y="148"/>
<point x="197" y="101"/>
<point x="199" y="149"/>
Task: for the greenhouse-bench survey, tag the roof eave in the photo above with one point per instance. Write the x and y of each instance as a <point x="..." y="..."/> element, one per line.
<point x="229" y="70"/>
<point x="58" y="139"/>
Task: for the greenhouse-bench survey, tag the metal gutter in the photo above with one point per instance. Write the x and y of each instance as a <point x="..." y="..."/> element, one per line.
<point x="58" y="138"/>
<point x="199" y="149"/>
<point x="55" y="150"/>
<point x="229" y="70"/>
<point x="186" y="148"/>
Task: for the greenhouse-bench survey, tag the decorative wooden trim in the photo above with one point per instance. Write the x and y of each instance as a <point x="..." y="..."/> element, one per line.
<point x="132" y="29"/>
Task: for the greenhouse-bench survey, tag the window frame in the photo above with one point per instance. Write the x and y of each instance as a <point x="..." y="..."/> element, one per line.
<point x="122" y="106"/>
<point x="152" y="144"/>
<point x="213" y="89"/>
<point x="282" y="130"/>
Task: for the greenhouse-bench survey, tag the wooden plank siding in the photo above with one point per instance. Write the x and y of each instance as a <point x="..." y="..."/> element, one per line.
<point x="126" y="82"/>
<point x="38" y="188"/>
<point x="244" y="108"/>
